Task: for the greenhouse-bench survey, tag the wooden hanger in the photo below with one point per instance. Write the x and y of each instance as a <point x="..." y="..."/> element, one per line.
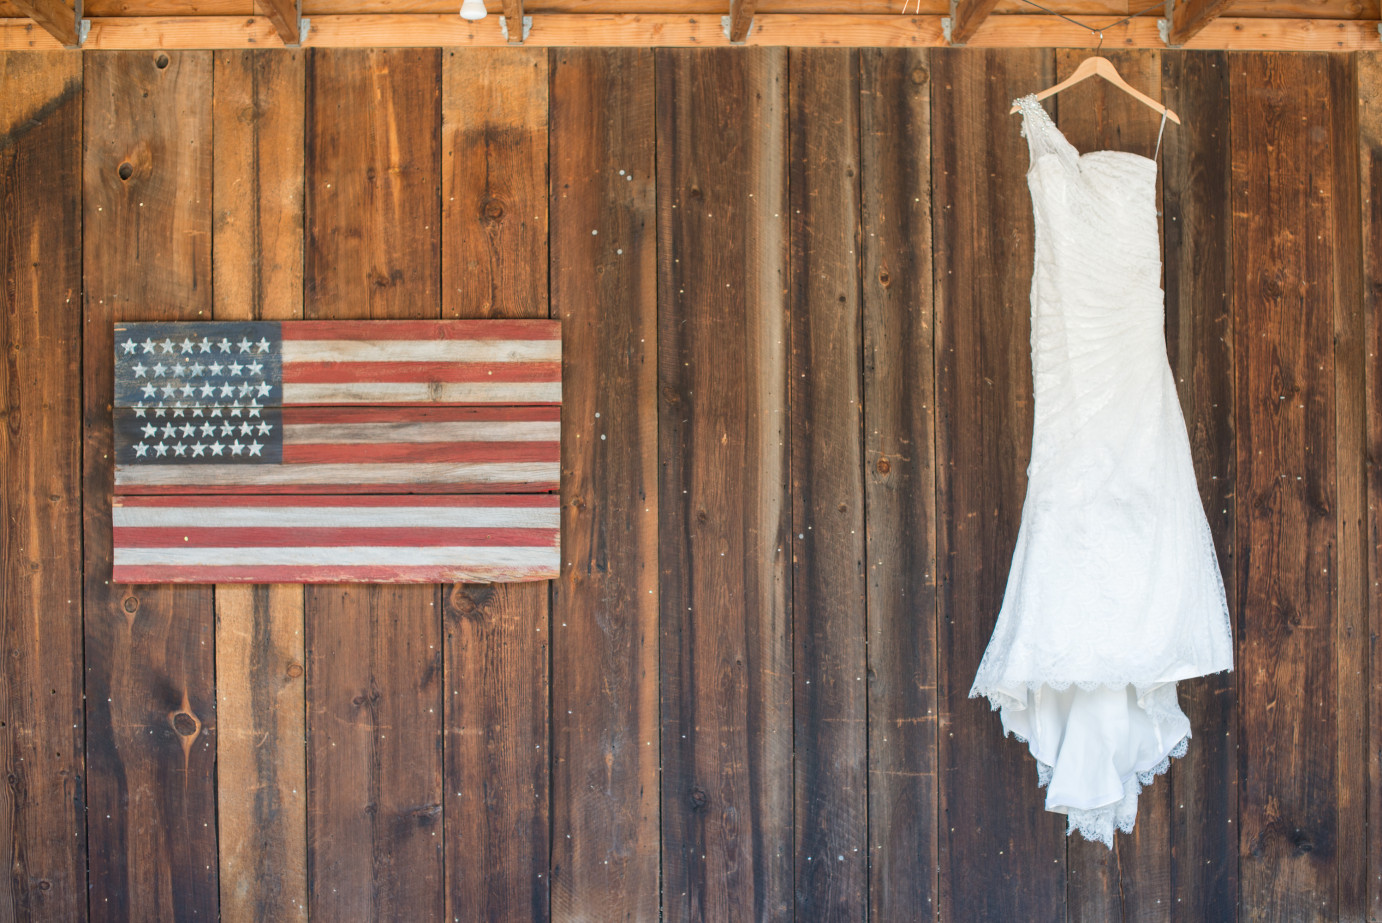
<point x="1103" y="67"/>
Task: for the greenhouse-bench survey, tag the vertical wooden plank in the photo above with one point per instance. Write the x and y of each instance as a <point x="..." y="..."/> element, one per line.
<point x="1284" y="209"/>
<point x="605" y="791"/>
<point x="1002" y="855"/>
<point x="374" y="653"/>
<point x="150" y="650"/>
<point x="41" y="746"/>
<point x="725" y="513"/>
<point x="494" y="264"/>
<point x="1350" y="427"/>
<point x="1369" y="82"/>
<point x="261" y="769"/>
<point x="1135" y="881"/>
<point x="900" y="479"/>
<point x="1199" y="333"/>
<point x="829" y="618"/>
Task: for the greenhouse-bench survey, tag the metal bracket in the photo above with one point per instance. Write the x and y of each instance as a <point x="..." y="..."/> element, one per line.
<point x="724" y="25"/>
<point x="83" y="24"/>
<point x="504" y="28"/>
<point x="945" y="29"/>
<point x="304" y="24"/>
<point x="1163" y="28"/>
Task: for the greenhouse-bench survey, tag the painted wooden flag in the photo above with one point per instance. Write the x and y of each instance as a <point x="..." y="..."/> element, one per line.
<point x="230" y="418"/>
<point x="325" y="539"/>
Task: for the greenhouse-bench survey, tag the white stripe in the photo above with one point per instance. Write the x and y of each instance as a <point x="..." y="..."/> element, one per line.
<point x="455" y="431"/>
<point x="251" y="475"/>
<point x="334" y="517"/>
<point x="421" y="351"/>
<point x="347" y="556"/>
<point x="423" y="392"/>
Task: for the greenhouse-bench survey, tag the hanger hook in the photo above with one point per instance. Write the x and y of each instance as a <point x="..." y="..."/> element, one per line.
<point x="1099" y="47"/>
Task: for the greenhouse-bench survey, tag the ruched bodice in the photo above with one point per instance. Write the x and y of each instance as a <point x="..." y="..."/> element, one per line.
<point x="1114" y="592"/>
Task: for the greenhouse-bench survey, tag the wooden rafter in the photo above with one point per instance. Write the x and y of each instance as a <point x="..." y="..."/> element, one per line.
<point x="740" y="19"/>
<point x="1190" y="16"/>
<point x="965" y="17"/>
<point x="286" y="16"/>
<point x="56" y="19"/>
<point x="513" y="20"/>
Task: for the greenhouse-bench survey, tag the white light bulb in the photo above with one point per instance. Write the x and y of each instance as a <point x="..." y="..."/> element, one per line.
<point x="473" y="9"/>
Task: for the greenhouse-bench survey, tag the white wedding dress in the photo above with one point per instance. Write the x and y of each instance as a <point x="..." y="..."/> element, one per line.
<point x="1114" y="592"/>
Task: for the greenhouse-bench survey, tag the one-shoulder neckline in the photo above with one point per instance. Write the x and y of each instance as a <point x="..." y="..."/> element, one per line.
<point x="1034" y="105"/>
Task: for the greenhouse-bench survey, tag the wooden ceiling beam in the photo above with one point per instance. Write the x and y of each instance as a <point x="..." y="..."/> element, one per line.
<point x="1190" y="16"/>
<point x="431" y="30"/>
<point x="286" y="16"/>
<point x="740" y="19"/>
<point x="56" y="19"/>
<point x="966" y="17"/>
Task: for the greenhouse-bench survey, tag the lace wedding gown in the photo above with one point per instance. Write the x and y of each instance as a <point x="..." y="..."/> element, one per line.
<point x="1114" y="592"/>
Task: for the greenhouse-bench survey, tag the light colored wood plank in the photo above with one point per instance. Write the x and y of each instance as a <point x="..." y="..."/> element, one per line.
<point x="57" y="18"/>
<point x="650" y="30"/>
<point x="1102" y="9"/>
<point x="261" y="776"/>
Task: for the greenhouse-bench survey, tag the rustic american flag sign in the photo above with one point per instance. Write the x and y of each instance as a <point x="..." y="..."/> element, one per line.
<point x="332" y="451"/>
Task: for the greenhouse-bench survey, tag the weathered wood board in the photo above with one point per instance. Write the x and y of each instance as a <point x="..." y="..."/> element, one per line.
<point x="41" y="715"/>
<point x="829" y="736"/>
<point x="374" y="653"/>
<point x="899" y="478"/>
<point x="1287" y="493"/>
<point x="605" y="673"/>
<point x="150" y="651"/>
<point x="724" y="546"/>
<point x="983" y="265"/>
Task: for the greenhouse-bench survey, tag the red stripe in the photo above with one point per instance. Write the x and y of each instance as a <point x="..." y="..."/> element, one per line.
<point x="422" y="330"/>
<point x="289" y="536"/>
<point x="419" y="452"/>
<point x="522" y="501"/>
<point x="290" y="573"/>
<point x="300" y="416"/>
<point x="335" y="372"/>
<point x="397" y="489"/>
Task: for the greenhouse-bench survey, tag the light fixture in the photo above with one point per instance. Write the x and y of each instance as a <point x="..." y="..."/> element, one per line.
<point x="473" y="9"/>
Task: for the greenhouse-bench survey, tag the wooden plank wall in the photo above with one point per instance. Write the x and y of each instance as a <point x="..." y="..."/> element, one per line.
<point x="794" y="294"/>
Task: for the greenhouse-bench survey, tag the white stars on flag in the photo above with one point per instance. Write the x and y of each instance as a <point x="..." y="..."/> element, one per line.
<point x="236" y="378"/>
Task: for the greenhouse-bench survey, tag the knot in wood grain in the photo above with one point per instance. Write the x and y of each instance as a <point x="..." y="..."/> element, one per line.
<point x="130" y="604"/>
<point x="186" y="725"/>
<point x="494" y="209"/>
<point x="884" y="466"/>
<point x="294" y="670"/>
<point x="919" y="76"/>
<point x="698" y="799"/>
<point x="126" y="170"/>
<point x="161" y="61"/>
<point x="470" y="600"/>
